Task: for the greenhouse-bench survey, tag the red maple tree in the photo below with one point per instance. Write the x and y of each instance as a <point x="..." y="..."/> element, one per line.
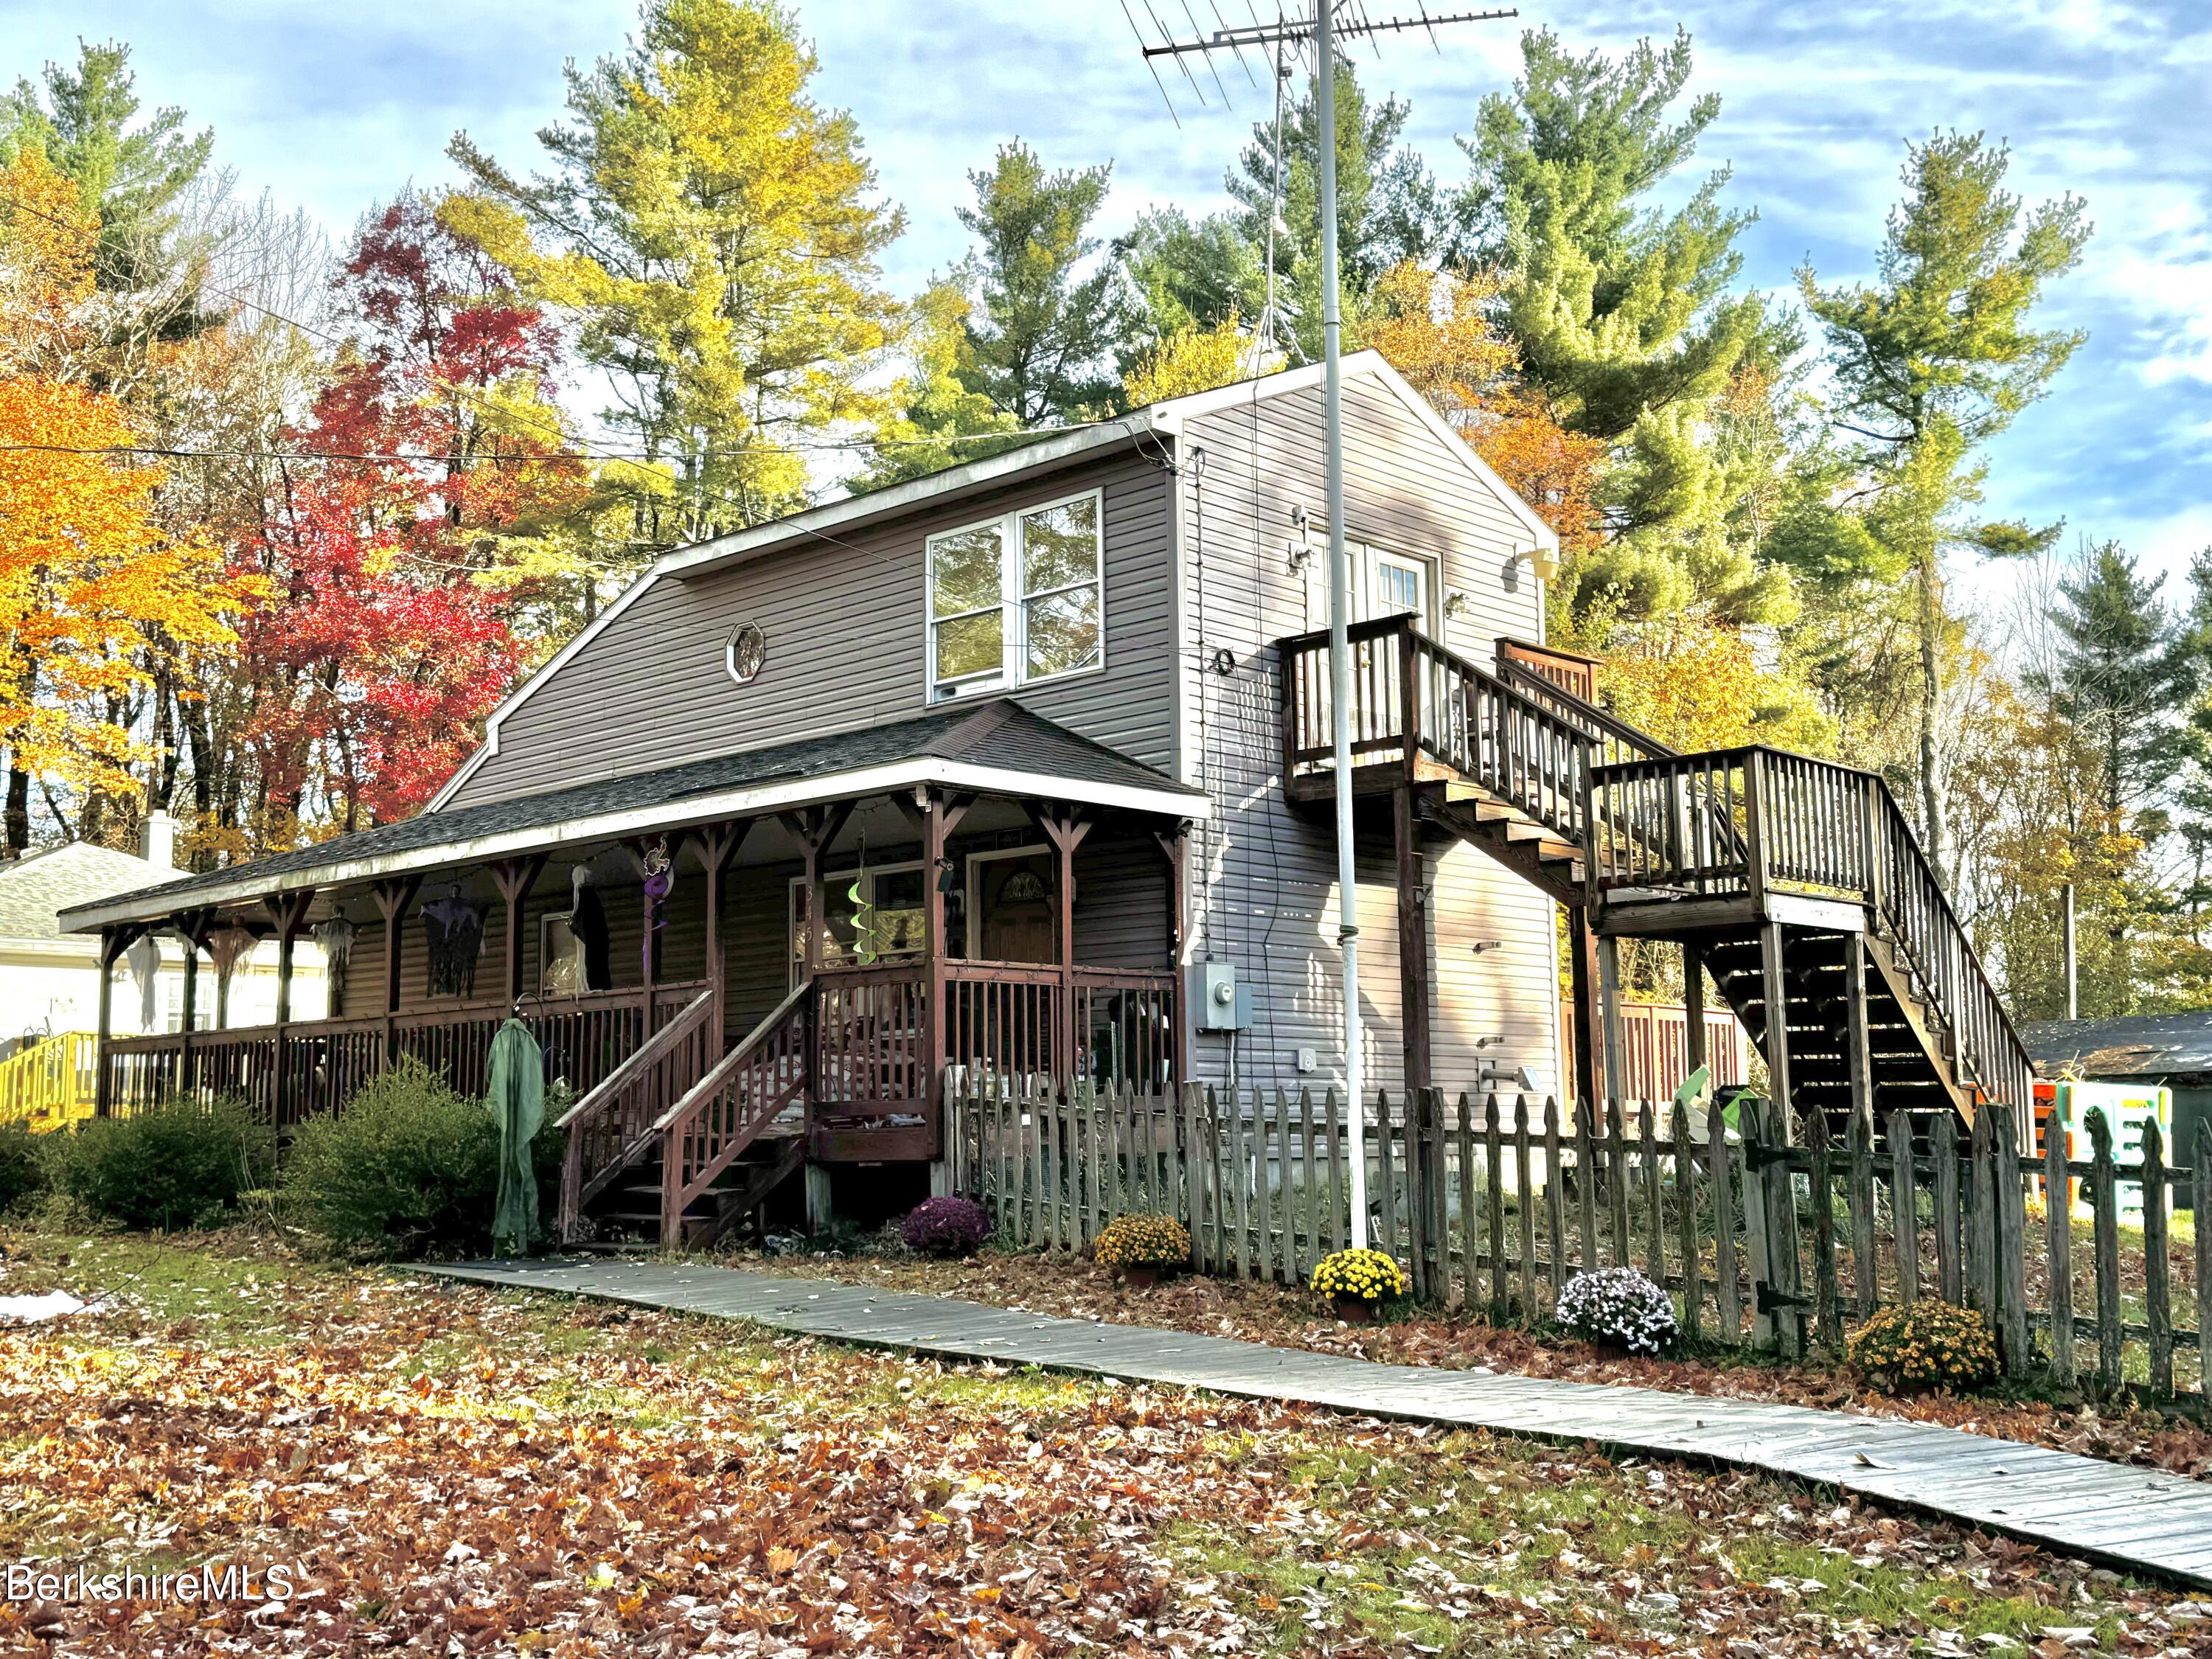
<point x="390" y="629"/>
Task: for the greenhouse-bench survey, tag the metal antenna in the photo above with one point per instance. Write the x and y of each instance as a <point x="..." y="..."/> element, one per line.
<point x="1157" y="81"/>
<point x="1323" y="30"/>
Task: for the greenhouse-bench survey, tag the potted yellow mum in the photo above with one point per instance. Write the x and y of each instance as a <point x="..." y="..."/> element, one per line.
<point x="1357" y="1282"/>
<point x="1143" y="1247"/>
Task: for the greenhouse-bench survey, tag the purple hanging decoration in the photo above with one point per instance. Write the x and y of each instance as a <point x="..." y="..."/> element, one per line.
<point x="659" y="879"/>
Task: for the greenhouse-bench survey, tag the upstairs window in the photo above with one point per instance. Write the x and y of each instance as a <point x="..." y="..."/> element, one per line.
<point x="1016" y="599"/>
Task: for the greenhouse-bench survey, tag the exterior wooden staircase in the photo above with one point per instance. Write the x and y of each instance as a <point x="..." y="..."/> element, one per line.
<point x="1798" y="883"/>
<point x="678" y="1146"/>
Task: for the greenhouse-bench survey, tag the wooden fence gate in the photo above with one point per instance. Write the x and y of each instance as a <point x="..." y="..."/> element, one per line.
<point x="1765" y="1238"/>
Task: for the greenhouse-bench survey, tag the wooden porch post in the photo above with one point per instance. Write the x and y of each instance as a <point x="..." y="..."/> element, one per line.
<point x="1858" y="1056"/>
<point x="191" y="930"/>
<point x="1582" y="954"/>
<point x="515" y="877"/>
<point x="1414" y="1001"/>
<point x="392" y="898"/>
<point x="111" y="947"/>
<point x="1066" y="830"/>
<point x="290" y="912"/>
<point x="815" y="828"/>
<point x="1176" y="843"/>
<point x="1616" y="1056"/>
<point x="718" y="845"/>
<point x="1693" y="1008"/>
<point x="1777" y="994"/>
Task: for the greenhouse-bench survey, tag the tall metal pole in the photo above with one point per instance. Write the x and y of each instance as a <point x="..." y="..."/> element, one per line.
<point x="2066" y="946"/>
<point x="1339" y="613"/>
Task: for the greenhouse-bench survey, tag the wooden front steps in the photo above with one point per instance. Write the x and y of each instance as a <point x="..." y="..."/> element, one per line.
<point x="626" y="1215"/>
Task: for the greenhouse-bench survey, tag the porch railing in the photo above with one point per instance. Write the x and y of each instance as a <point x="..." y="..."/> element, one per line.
<point x="323" y="1061"/>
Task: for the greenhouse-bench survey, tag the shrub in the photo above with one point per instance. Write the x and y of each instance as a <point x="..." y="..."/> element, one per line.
<point x="946" y="1226"/>
<point x="1142" y="1241"/>
<point x="1930" y="1345"/>
<point x="178" y="1165"/>
<point x="22" y="1164"/>
<point x="1618" y="1308"/>
<point x="405" y="1165"/>
<point x="1368" y="1275"/>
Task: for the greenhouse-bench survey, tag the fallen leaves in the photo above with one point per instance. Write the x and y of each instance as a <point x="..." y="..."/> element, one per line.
<point x="458" y="1471"/>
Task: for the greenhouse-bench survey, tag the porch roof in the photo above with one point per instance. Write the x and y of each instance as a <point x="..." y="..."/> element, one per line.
<point x="997" y="747"/>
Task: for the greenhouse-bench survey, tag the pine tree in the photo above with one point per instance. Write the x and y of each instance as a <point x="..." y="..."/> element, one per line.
<point x="712" y="232"/>
<point x="2125" y="679"/>
<point x="130" y="174"/>
<point x="1623" y="317"/>
<point x="1929" y="363"/>
<point x="1041" y="332"/>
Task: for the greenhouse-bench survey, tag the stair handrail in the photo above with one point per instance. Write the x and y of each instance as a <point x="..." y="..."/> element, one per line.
<point x="1873" y="856"/>
<point x="577" y="1184"/>
<point x="688" y="1169"/>
<point x="1639" y="745"/>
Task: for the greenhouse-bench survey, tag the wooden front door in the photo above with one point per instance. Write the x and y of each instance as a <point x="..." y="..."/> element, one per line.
<point x="1017" y="904"/>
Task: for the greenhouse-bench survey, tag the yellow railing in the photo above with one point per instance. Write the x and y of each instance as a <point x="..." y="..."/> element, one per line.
<point x="50" y="1084"/>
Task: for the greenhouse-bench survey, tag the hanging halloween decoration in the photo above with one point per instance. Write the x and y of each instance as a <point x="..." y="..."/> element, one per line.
<point x="659" y="878"/>
<point x="865" y="948"/>
<point x="144" y="959"/>
<point x="453" y="929"/>
<point x="224" y="947"/>
<point x="334" y="939"/>
<point x="588" y="926"/>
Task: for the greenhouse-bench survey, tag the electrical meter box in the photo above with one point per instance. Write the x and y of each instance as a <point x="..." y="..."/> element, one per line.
<point x="1218" y="1001"/>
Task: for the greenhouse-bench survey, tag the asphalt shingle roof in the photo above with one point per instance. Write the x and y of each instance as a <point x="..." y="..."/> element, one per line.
<point x="999" y="733"/>
<point x="34" y="887"/>
<point x="2144" y="1045"/>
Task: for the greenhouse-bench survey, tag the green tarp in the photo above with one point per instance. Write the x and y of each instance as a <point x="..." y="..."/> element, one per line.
<point x="514" y="1088"/>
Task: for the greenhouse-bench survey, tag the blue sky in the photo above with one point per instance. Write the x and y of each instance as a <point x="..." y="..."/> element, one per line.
<point x="331" y="108"/>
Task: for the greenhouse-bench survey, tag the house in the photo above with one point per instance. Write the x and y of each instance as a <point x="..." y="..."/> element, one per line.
<point x="50" y="977"/>
<point x="2141" y="1051"/>
<point x="1021" y="769"/>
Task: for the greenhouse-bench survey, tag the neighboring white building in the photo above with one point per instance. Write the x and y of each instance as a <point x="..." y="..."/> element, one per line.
<point x="50" y="980"/>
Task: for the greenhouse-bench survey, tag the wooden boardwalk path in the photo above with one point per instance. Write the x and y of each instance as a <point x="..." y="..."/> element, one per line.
<point x="2137" y="1520"/>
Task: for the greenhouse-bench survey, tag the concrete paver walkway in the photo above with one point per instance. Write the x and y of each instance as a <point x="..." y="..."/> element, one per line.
<point x="2137" y="1520"/>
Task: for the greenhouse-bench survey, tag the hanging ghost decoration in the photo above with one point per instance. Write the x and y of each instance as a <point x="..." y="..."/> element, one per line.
<point x="453" y="929"/>
<point x="144" y="959"/>
<point x="335" y="938"/>
<point x="587" y="924"/>
<point x="225" y="945"/>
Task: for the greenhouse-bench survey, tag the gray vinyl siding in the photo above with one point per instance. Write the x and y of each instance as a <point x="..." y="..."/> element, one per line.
<point x="1264" y="876"/>
<point x="845" y="630"/>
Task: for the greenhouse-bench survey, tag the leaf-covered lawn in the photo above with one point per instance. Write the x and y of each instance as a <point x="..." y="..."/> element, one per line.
<point x="1076" y="1289"/>
<point x="457" y="1471"/>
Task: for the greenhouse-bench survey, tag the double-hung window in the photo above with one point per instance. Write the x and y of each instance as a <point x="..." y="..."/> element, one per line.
<point x="1016" y="598"/>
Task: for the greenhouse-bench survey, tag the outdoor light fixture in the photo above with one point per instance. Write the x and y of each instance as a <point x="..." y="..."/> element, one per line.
<point x="1543" y="563"/>
<point x="1302" y="554"/>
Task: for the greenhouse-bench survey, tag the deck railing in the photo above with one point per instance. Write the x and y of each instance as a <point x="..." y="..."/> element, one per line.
<point x="52" y="1083"/>
<point x="323" y="1061"/>
<point x="1418" y="706"/>
<point x="1757" y="821"/>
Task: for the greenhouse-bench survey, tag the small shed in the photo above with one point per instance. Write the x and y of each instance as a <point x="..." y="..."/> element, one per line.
<point x="2167" y="1051"/>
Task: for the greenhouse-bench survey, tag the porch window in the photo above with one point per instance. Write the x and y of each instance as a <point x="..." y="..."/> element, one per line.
<point x="1017" y="599"/>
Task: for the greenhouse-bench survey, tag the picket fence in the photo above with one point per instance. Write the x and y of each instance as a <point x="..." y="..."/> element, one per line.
<point x="1772" y="1236"/>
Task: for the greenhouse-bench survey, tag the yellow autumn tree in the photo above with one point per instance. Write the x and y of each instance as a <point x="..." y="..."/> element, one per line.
<point x="1192" y="358"/>
<point x="1435" y="327"/>
<point x="93" y="591"/>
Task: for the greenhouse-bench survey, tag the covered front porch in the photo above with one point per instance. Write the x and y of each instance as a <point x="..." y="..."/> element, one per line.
<point x="733" y="968"/>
